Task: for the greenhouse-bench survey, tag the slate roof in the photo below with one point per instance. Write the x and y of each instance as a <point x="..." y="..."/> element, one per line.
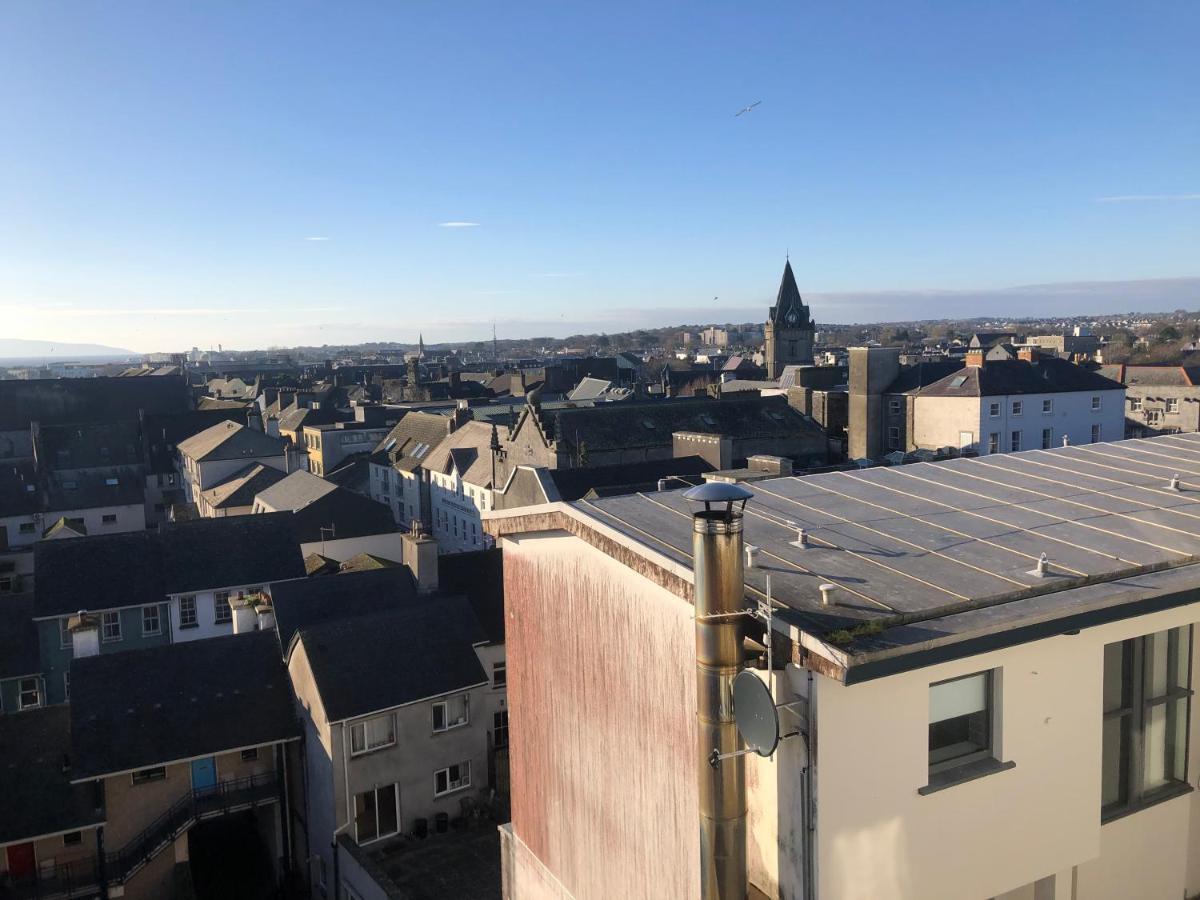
<point x="92" y="488"/>
<point x="1005" y="377"/>
<point x="15" y="497"/>
<point x="210" y="404"/>
<point x="1156" y="376"/>
<point x="39" y="798"/>
<point x="352" y="473"/>
<point x="242" y="487"/>
<point x="295" y="419"/>
<point x="628" y="478"/>
<point x="137" y="568"/>
<point x="104" y="571"/>
<point x="598" y="389"/>
<point x="90" y="445"/>
<point x="18" y="640"/>
<point x="306" y="602"/>
<point x="316" y="564"/>
<point x="67" y="400"/>
<point x="228" y="551"/>
<point x="164" y="704"/>
<point x="923" y="374"/>
<point x="413" y="654"/>
<point x="231" y="440"/>
<point x="478" y="576"/>
<point x="318" y="504"/>
<point x="163" y="432"/>
<point x="467" y="449"/>
<point x="364" y="562"/>
<point x="408" y="444"/>
<point x="614" y="426"/>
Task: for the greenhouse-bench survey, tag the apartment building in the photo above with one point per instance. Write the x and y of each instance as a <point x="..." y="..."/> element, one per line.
<point x="986" y="406"/>
<point x="49" y="829"/>
<point x="222" y="451"/>
<point x="181" y="744"/>
<point x="982" y="669"/>
<point x="149" y="589"/>
<point x="1158" y="399"/>
<point x="461" y="470"/>
<point x="327" y="445"/>
<point x="395" y="753"/>
<point x="397" y="476"/>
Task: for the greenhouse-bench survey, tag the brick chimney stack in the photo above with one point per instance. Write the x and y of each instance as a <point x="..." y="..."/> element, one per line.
<point x="1028" y="354"/>
<point x="975" y="358"/>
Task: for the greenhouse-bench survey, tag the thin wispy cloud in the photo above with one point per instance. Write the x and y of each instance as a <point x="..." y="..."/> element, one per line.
<point x="1148" y="198"/>
<point x="173" y="311"/>
<point x="559" y="274"/>
<point x="458" y="224"/>
<point x="317" y="238"/>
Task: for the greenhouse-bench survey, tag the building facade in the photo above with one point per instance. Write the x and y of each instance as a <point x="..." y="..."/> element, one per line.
<point x="789" y="328"/>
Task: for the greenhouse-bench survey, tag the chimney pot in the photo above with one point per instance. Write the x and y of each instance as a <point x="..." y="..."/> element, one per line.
<point x="976" y="358"/>
<point x="827" y="594"/>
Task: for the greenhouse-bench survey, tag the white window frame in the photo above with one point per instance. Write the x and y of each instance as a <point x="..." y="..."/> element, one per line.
<point x="500" y="669"/>
<point x="993" y="442"/>
<point x="191" y="619"/>
<point x="65" y="640"/>
<point x="1047" y="438"/>
<point x="447" y="725"/>
<point x="104" y="623"/>
<point x="1135" y="404"/>
<point x="1014" y="442"/>
<point x="359" y="734"/>
<point x="1172" y="404"/>
<point x="157" y="630"/>
<point x="149" y="775"/>
<point x="1047" y="406"/>
<point x="22" y="691"/>
<point x="1018" y="407"/>
<point x="462" y="783"/>
<point x="1096" y="400"/>
<point x="993" y="410"/>
<point x="67" y="685"/>
<point x="1096" y="433"/>
<point x="218" y="619"/>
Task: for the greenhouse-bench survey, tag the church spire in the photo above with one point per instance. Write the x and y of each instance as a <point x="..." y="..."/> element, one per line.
<point x="789" y="310"/>
<point x="420" y="346"/>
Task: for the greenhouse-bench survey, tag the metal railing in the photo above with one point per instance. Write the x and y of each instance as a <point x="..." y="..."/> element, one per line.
<point x="199" y="803"/>
<point x="68" y="879"/>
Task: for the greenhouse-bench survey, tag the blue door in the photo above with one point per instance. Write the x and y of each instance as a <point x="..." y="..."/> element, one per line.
<point x="204" y="774"/>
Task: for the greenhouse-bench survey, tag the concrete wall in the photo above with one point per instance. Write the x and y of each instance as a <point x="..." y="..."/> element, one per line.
<point x="52" y="851"/>
<point x="389" y="546"/>
<point x="939" y="421"/>
<point x="129" y="517"/>
<point x="877" y="837"/>
<point x="1154" y="400"/>
<point x="457" y="507"/>
<point x="603" y="745"/>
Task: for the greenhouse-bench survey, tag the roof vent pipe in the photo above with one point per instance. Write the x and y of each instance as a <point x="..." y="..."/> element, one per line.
<point x="1066" y="440"/>
<point x="801" y="538"/>
<point x="1042" y="569"/>
<point x="720" y="590"/>
<point x="1174" y="485"/>
<point x="662" y="484"/>
<point x="751" y="556"/>
<point x="827" y="594"/>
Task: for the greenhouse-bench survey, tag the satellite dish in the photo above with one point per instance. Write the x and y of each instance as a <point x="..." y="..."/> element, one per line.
<point x="755" y="713"/>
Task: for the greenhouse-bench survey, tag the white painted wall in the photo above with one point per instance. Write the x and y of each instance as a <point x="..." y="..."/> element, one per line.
<point x="877" y="837"/>
<point x="399" y="491"/>
<point x="131" y="517"/>
<point x="206" y="625"/>
<point x="389" y="546"/>
<point x="456" y="506"/>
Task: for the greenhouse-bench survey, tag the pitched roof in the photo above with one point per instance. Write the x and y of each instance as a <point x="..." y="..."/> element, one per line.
<point x="1159" y="376"/>
<point x="296" y="418"/>
<point x="633" y="424"/>
<point x="922" y="374"/>
<point x="103" y="571"/>
<point x="164" y="704"/>
<point x="137" y="568"/>
<point x="164" y="431"/>
<point x="90" y="445"/>
<point x="364" y="562"/>
<point x="18" y="638"/>
<point x="39" y="798"/>
<point x="628" y="478"/>
<point x="58" y="400"/>
<point x="230" y="551"/>
<point x="316" y="564"/>
<point x="468" y="449"/>
<point x="408" y="444"/>
<point x="479" y="576"/>
<point x="242" y="487"/>
<point x="319" y="504"/>
<point x="305" y="602"/>
<point x="231" y="440"/>
<point x="413" y="653"/>
<point x="1014" y="376"/>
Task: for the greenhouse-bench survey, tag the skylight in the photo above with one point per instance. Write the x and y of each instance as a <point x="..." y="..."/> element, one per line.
<point x="958" y="381"/>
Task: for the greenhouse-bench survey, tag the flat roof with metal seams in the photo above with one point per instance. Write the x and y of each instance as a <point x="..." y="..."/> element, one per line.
<point x="939" y="539"/>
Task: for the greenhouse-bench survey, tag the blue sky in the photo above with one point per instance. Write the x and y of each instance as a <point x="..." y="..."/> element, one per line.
<point x="165" y="167"/>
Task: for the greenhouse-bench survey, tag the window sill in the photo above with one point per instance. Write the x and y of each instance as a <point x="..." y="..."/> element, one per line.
<point x="457" y="790"/>
<point x="939" y="781"/>
<point x="451" y="728"/>
<point x="1178" y="789"/>
<point x="189" y="625"/>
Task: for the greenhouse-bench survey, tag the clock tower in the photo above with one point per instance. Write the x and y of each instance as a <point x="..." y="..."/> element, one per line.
<point x="789" y="328"/>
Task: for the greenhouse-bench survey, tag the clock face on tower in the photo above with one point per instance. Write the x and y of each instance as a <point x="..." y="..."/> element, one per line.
<point x="792" y="318"/>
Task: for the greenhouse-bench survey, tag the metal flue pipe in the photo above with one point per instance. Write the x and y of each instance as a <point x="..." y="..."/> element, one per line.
<point x="719" y="592"/>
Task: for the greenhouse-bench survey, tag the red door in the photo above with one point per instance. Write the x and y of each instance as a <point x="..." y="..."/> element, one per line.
<point x="21" y="861"/>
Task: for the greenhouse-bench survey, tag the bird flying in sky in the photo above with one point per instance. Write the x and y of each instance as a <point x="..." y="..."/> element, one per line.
<point x="746" y="109"/>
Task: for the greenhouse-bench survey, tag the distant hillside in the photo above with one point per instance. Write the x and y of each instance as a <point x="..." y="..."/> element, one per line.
<point x="12" y="347"/>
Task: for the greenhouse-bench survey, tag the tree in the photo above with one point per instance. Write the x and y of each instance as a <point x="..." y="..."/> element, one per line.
<point x="604" y="342"/>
